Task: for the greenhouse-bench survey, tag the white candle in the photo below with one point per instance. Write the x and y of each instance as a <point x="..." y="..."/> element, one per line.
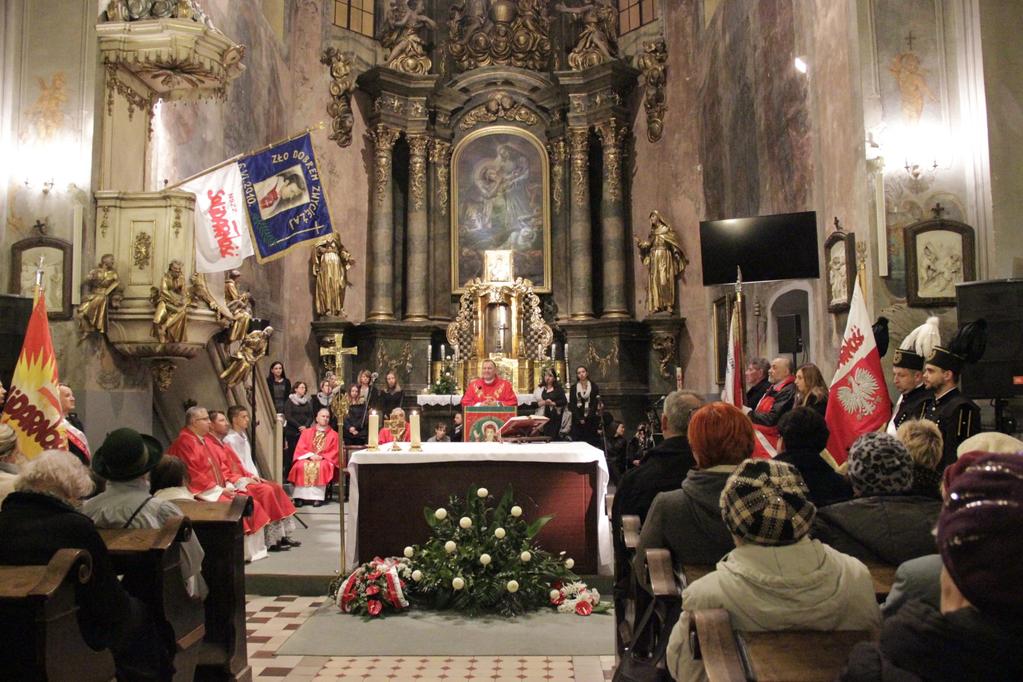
<point x="374" y="429"/>
<point x="456" y="352"/>
<point x="566" y="357"/>
<point x="416" y="439"/>
<point x="443" y="350"/>
<point x="552" y="351"/>
<point x="429" y="356"/>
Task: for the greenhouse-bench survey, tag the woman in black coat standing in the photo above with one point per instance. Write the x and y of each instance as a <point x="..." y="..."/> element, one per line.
<point x="280" y="386"/>
<point x="552" y="401"/>
<point x="299" y="412"/>
<point x="582" y="401"/>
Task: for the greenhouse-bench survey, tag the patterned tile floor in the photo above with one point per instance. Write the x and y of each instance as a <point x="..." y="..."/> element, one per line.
<point x="271" y="620"/>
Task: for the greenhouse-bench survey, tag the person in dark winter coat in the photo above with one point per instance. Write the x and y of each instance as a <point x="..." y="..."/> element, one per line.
<point x="804" y="434"/>
<point x="299" y="411"/>
<point x="883" y="524"/>
<point x="975" y="633"/>
<point x="688" y="521"/>
<point x="39" y="518"/>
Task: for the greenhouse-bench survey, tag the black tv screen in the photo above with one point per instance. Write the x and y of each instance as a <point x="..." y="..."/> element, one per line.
<point x="782" y="246"/>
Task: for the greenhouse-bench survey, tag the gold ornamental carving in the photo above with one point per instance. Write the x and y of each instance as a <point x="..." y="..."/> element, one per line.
<point x="653" y="63"/>
<point x="665" y="345"/>
<point x="139" y="10"/>
<point x="500" y="105"/>
<point x="104" y="223"/>
<point x="603" y="363"/>
<point x="172" y="300"/>
<point x="383" y="139"/>
<point x="557" y="152"/>
<point x="440" y="157"/>
<point x="508" y="32"/>
<point x="662" y="254"/>
<point x="579" y="140"/>
<point x="417" y="170"/>
<point x="612" y="135"/>
<point x="252" y="348"/>
<point x="467" y="330"/>
<point x="401" y="365"/>
<point x="331" y="262"/>
<point x="134" y="99"/>
<point x="239" y="305"/>
<point x="597" y="40"/>
<point x="142" y="250"/>
<point x="403" y="24"/>
<point x="104" y="292"/>
<point x="176" y="225"/>
<point x="163" y="374"/>
<point x="341" y="87"/>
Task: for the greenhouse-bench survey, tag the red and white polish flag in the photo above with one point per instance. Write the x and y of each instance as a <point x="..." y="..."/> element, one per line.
<point x="733" y="392"/>
<point x="858" y="401"/>
<point x="222" y="239"/>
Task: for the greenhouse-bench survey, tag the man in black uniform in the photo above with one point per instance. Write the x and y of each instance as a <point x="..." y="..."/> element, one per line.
<point x="907" y="373"/>
<point x="956" y="415"/>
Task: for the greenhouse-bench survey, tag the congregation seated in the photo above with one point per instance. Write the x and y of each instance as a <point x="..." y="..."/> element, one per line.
<point x="10" y="458"/>
<point x="639" y="445"/>
<point x="169" y="480"/>
<point x="688" y="521"/>
<point x="974" y="632"/>
<point x="804" y="435"/>
<point x="316" y="459"/>
<point x="756" y="379"/>
<point x="207" y="479"/>
<point x="883" y="523"/>
<point x="617" y="449"/>
<point x="923" y="440"/>
<point x="457" y="428"/>
<point x="776" y="578"/>
<point x="440" y="434"/>
<point x="38" y="519"/>
<point x="665" y="466"/>
<point x="990" y="441"/>
<point x="779" y="398"/>
<point x="124" y="462"/>
<point x="396" y="429"/>
<point x="354" y="428"/>
<point x="811" y="390"/>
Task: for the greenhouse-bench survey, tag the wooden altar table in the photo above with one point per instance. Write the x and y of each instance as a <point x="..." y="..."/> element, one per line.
<point x="569" y="480"/>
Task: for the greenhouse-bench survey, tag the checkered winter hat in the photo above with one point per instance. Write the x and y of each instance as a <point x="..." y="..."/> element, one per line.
<point x="879" y="465"/>
<point x="766" y="502"/>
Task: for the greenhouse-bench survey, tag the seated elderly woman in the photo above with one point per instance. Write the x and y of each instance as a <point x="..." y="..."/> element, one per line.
<point x="124" y="462"/>
<point x="316" y="460"/>
<point x="923" y="440"/>
<point x="973" y="633"/>
<point x="397" y="428"/>
<point x="688" y="521"/>
<point x="884" y="523"/>
<point x="39" y="518"/>
<point x="776" y="578"/>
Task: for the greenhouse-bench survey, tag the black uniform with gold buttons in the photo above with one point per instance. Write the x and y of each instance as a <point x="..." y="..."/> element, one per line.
<point x="957" y="418"/>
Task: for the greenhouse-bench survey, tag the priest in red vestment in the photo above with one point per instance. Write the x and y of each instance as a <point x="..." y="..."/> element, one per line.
<point x="205" y="471"/>
<point x="266" y="494"/>
<point x="489" y="389"/>
<point x="316" y="459"/>
<point x="397" y="428"/>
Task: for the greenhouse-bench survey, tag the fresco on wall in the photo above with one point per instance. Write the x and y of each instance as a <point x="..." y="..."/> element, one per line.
<point x="908" y="52"/>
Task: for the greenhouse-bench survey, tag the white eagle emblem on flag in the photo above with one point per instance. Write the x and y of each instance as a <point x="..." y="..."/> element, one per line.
<point x="860" y="396"/>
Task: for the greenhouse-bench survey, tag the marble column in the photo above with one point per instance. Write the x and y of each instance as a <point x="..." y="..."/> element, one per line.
<point x="580" y="227"/>
<point x="612" y="221"/>
<point x="418" y="231"/>
<point x="381" y="237"/>
<point x="440" y="269"/>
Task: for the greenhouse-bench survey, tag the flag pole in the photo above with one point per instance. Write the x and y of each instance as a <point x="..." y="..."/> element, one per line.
<point x="39" y="281"/>
<point x="741" y="331"/>
<point x="319" y="126"/>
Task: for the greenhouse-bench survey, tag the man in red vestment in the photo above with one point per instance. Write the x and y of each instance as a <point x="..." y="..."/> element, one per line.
<point x="205" y="472"/>
<point x="401" y="431"/>
<point x="489" y="389"/>
<point x="267" y="494"/>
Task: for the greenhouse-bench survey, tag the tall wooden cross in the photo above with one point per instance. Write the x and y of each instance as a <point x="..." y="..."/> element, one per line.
<point x="337" y="351"/>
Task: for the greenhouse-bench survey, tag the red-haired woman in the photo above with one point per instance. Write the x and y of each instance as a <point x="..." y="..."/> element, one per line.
<point x="316" y="459"/>
<point x="688" y="520"/>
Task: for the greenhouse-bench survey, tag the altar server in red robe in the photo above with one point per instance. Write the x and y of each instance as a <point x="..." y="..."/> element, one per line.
<point x="316" y="458"/>
<point x="206" y="475"/>
<point x="397" y="428"/>
<point x="266" y="494"/>
<point x="489" y="389"/>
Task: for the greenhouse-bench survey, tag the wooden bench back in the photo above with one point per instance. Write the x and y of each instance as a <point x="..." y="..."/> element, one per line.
<point x="882" y="575"/>
<point x="38" y="619"/>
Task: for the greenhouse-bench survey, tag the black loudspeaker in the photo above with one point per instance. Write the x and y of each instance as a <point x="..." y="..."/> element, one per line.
<point x="790" y="334"/>
<point x="999" y="373"/>
<point x="14" y="314"/>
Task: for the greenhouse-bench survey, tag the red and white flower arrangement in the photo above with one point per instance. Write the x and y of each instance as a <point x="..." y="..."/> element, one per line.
<point x="576" y="597"/>
<point x="374" y="587"/>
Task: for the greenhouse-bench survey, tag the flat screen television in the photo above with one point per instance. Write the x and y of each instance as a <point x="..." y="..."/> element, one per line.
<point x="769" y="247"/>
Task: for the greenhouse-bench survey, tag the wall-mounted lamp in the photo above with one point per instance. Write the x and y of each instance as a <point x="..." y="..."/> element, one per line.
<point x="800" y="64"/>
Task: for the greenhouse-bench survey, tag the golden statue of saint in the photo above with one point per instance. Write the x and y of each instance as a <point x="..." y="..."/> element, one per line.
<point x="104" y="284"/>
<point x="662" y="254"/>
<point x="253" y="347"/>
<point x="239" y="304"/>
<point x="171" y="300"/>
<point x="331" y="263"/>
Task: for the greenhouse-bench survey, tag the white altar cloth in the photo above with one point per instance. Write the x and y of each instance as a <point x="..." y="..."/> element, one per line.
<point x="440" y="399"/>
<point x="575" y="453"/>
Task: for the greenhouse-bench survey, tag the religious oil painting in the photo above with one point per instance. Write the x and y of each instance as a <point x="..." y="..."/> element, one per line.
<point x="939" y="255"/>
<point x="500" y="199"/>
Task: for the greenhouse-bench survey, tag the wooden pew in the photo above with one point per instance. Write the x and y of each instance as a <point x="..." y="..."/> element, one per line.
<point x="150" y="560"/>
<point x="218" y="526"/>
<point x="630" y="531"/>
<point x="730" y="656"/>
<point x="38" y="620"/>
<point x="882" y="575"/>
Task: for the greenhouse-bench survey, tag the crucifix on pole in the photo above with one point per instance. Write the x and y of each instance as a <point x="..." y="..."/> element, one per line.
<point x="337" y="352"/>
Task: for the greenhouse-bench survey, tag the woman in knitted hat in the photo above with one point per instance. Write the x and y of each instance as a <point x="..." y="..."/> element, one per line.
<point x="884" y="523"/>
<point x="776" y="578"/>
<point x="976" y="631"/>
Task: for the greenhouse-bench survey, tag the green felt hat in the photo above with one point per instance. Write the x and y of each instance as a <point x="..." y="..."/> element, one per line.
<point x="126" y="454"/>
